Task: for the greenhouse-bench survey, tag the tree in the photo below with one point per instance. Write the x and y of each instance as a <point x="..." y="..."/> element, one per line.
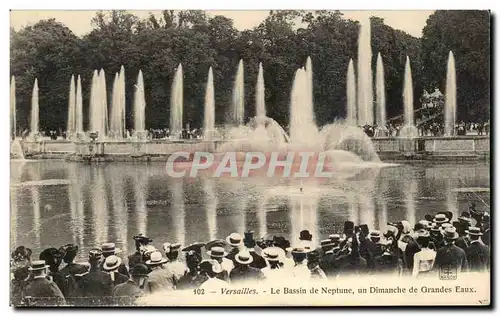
<point x="467" y="35"/>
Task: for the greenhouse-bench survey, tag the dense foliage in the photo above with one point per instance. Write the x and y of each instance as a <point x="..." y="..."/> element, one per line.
<point x="50" y="52"/>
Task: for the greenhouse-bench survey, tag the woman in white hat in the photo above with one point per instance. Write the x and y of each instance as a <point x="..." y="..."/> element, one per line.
<point x="160" y="278"/>
<point x="423" y="261"/>
<point x="274" y="259"/>
<point x="242" y="270"/>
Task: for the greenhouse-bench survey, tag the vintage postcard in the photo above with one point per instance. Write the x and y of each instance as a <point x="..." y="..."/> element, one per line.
<point x="250" y="158"/>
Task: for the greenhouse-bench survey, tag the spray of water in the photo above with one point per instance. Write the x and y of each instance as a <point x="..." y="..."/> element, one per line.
<point x="209" y="124"/>
<point x="351" y="95"/>
<point x="451" y="97"/>
<point x="71" y="108"/>
<point x="139" y="105"/>
<point x="79" y="107"/>
<point x="122" y="100"/>
<point x="365" y="88"/>
<point x="238" y="111"/>
<point x="13" y="106"/>
<point x="260" y="102"/>
<point x="380" y="89"/>
<point x="176" y="102"/>
<point x="34" y="109"/>
<point x="408" y="95"/>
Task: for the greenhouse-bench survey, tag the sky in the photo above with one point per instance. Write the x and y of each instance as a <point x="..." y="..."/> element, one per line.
<point x="411" y="22"/>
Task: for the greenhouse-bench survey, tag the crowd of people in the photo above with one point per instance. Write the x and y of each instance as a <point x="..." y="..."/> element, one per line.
<point x="436" y="242"/>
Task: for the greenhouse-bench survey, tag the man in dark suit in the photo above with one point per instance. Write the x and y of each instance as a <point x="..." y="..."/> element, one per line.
<point x="242" y="270"/>
<point x="486" y="229"/>
<point x="126" y="293"/>
<point x="331" y="251"/>
<point x="41" y="291"/>
<point x="478" y="254"/>
<point x="109" y="249"/>
<point x="258" y="262"/>
<point x="450" y="256"/>
<point x="95" y="283"/>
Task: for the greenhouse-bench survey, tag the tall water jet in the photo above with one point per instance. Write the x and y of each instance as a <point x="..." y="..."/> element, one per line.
<point x="176" y="103"/>
<point x="351" y="95"/>
<point x="260" y="103"/>
<point x="13" y="107"/>
<point x="309" y="86"/>
<point x="140" y="109"/>
<point x="95" y="105"/>
<point x="303" y="130"/>
<point x="209" y="119"/>
<point x="70" y="130"/>
<point x="104" y="105"/>
<point x="450" y="105"/>
<point x="34" y="111"/>
<point x="115" y="118"/>
<point x="122" y="101"/>
<point x="409" y="130"/>
<point x="79" y="107"/>
<point x="365" y="88"/>
<point x="238" y="112"/>
<point x="380" y="90"/>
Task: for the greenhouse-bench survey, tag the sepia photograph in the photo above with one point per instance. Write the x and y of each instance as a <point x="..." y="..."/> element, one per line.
<point x="178" y="158"/>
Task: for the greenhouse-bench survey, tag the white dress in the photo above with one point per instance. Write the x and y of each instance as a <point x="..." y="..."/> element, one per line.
<point x="423" y="261"/>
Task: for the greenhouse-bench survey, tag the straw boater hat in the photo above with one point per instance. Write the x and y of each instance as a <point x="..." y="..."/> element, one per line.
<point x="474" y="231"/>
<point x="444" y="226"/>
<point x="450" y="233"/>
<point x="156" y="259"/>
<point x="465" y="217"/>
<point x="234" y="239"/>
<point x="112" y="263"/>
<point x="217" y="252"/>
<point x="108" y="248"/>
<point x="272" y="254"/>
<point x="95" y="254"/>
<point x="327" y="243"/>
<point x="440" y="219"/>
<point x="334" y="238"/>
<point x="243" y="257"/>
<point x="425" y="223"/>
<point x="38" y="265"/>
<point x="375" y="234"/>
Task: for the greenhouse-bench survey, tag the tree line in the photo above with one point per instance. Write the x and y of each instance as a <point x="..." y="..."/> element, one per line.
<point x="51" y="52"/>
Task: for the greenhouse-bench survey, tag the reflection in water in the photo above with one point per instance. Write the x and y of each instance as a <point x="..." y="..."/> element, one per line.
<point x="120" y="216"/>
<point x="382" y="206"/>
<point x="451" y="197"/>
<point x="178" y="213"/>
<point x="75" y="195"/>
<point x="410" y="193"/>
<point x="210" y="206"/>
<point x="140" y="182"/>
<point x="262" y="216"/>
<point x="353" y="209"/>
<point x="304" y="215"/>
<point x="367" y="210"/>
<point x="13" y="216"/>
<point x="99" y="206"/>
<point x="35" y="198"/>
<point x="240" y="204"/>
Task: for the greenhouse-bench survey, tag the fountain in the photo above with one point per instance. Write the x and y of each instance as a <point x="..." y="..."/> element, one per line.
<point x="79" y="110"/>
<point x="260" y="102"/>
<point x="122" y="102"/>
<point x="70" y="130"/>
<point x="364" y="76"/>
<point x="408" y="130"/>
<point x="238" y="110"/>
<point x="380" y="90"/>
<point x="98" y="115"/>
<point x="351" y="95"/>
<point x="140" y="109"/>
<point x="209" y="119"/>
<point x="115" y="128"/>
<point x="309" y="86"/>
<point x="13" y="121"/>
<point x="104" y="104"/>
<point x="450" y="106"/>
<point x="34" y="112"/>
<point x="176" y="103"/>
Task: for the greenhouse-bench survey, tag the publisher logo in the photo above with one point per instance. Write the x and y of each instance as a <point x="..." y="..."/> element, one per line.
<point x="448" y="272"/>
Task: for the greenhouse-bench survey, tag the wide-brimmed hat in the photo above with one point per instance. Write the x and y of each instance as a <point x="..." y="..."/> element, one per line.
<point x="440" y="218"/>
<point x="217" y="252"/>
<point x="474" y="231"/>
<point x="429" y="217"/>
<point x="450" y="233"/>
<point x="139" y="270"/>
<point x="448" y="215"/>
<point x="142" y="239"/>
<point x="234" y="239"/>
<point x="110" y="248"/>
<point x="327" y="243"/>
<point x="422" y="233"/>
<point x="444" y="226"/>
<point x="465" y="217"/>
<point x="305" y="235"/>
<point x="210" y="265"/>
<point x="391" y="230"/>
<point x="95" y="254"/>
<point x="272" y="254"/>
<point x="112" y="263"/>
<point x="243" y="257"/>
<point x="335" y="238"/>
<point x="168" y="247"/>
<point x="215" y="243"/>
<point x="298" y="250"/>
<point x="375" y="234"/>
<point x="194" y="247"/>
<point x="425" y="223"/>
<point x="38" y="265"/>
<point x="156" y="258"/>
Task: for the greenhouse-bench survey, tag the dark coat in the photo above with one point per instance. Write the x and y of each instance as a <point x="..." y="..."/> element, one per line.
<point x="327" y="263"/>
<point x="191" y="281"/>
<point x="486" y="237"/>
<point x="119" y="278"/>
<point x="16" y="292"/>
<point x="258" y="262"/>
<point x="462" y="243"/>
<point x="43" y="292"/>
<point x="451" y="256"/>
<point x="411" y="249"/>
<point x="245" y="273"/>
<point x="73" y="269"/>
<point x="478" y="257"/>
<point x="96" y="283"/>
